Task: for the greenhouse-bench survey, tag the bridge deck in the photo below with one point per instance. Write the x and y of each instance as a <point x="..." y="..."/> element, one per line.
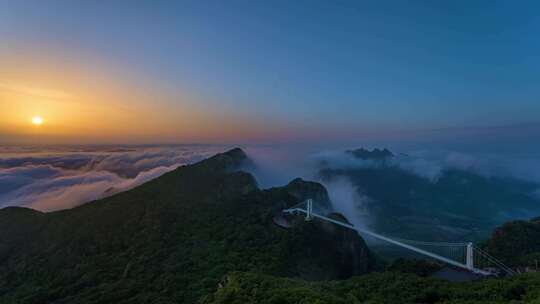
<point x="389" y="240"/>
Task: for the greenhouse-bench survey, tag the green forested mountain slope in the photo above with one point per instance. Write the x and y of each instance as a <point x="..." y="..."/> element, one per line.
<point x="204" y="233"/>
<point x="170" y="240"/>
<point x="375" y="288"/>
<point x="517" y="243"/>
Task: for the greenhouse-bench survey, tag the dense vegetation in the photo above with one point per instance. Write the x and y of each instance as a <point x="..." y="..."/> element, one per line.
<point x="387" y="287"/>
<point x="170" y="240"/>
<point x="205" y="233"/>
<point x="517" y="243"/>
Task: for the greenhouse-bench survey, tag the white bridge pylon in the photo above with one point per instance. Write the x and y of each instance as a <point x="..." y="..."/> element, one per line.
<point x="469" y="257"/>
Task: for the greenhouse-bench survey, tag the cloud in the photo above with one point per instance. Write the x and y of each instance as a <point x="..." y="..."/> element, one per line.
<point x="63" y="192"/>
<point x="277" y="166"/>
<point x="34" y="91"/>
<point x="141" y="178"/>
<point x="60" y="178"/>
<point x="124" y="162"/>
<point x="431" y="164"/>
<point x="14" y="178"/>
<point x="54" y="178"/>
<point x="347" y="200"/>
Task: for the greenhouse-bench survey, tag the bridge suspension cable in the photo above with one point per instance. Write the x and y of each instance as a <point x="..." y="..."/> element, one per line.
<point x="463" y="255"/>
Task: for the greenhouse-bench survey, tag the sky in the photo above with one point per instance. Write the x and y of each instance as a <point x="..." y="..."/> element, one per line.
<point x="446" y="72"/>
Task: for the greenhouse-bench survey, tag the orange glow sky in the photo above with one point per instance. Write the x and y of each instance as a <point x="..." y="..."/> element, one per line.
<point x="96" y="103"/>
<point x="260" y="72"/>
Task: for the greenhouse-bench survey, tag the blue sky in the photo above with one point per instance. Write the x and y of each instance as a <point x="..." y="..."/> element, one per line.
<point x="316" y="66"/>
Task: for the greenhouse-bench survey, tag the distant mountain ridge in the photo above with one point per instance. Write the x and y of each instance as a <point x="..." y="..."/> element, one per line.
<point x="458" y="205"/>
<point x="375" y="154"/>
<point x="171" y="240"/>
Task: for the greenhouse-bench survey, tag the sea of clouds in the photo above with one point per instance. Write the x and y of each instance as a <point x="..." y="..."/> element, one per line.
<point x="59" y="177"/>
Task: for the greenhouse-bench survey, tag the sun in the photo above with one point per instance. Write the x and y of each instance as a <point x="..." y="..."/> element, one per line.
<point x="37" y="120"/>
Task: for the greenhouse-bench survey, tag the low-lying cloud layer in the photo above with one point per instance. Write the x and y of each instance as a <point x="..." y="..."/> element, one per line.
<point x="63" y="177"/>
<point x="432" y="164"/>
<point x="56" y="178"/>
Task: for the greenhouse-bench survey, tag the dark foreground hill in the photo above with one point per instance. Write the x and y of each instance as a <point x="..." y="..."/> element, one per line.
<point x="170" y="240"/>
<point x="517" y="243"/>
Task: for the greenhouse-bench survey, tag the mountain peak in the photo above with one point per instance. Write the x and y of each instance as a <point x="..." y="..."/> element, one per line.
<point x="375" y="154"/>
<point x="302" y="190"/>
<point x="233" y="158"/>
<point x="224" y="162"/>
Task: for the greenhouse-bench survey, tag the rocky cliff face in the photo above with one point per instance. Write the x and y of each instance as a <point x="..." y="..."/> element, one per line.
<point x="170" y="240"/>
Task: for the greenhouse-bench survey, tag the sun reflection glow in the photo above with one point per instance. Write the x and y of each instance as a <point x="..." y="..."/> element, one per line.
<point x="37" y="120"/>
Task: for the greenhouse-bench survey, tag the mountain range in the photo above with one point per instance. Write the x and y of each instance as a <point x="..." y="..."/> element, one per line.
<point x="170" y="240"/>
<point x="458" y="205"/>
<point x="207" y="233"/>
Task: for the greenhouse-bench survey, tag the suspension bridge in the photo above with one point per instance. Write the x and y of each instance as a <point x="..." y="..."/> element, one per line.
<point x="464" y="255"/>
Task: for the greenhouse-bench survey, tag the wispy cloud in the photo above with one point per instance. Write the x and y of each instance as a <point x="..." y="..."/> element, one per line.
<point x="52" y="180"/>
<point x="35" y="91"/>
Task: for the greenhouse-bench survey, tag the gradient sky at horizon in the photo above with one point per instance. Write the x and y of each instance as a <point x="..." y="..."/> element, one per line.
<point x="269" y="71"/>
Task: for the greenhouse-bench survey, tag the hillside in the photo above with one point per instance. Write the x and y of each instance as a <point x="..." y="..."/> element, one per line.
<point x="517" y="243"/>
<point x="170" y="240"/>
<point x="387" y="287"/>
